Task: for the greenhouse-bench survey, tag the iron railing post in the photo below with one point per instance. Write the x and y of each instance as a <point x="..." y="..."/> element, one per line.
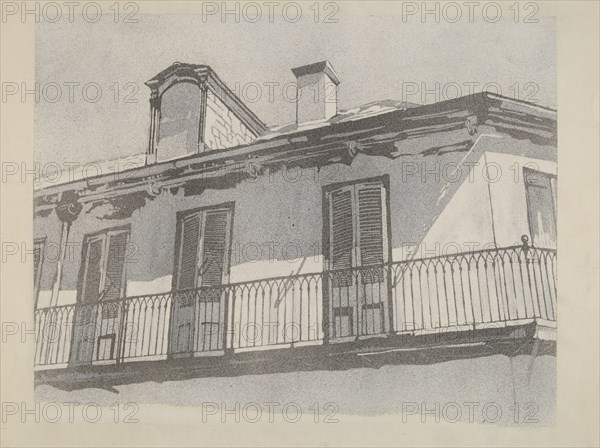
<point x="121" y="338"/>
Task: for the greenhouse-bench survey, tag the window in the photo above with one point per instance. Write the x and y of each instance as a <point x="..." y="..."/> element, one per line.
<point x="103" y="267"/>
<point x="38" y="259"/>
<point x="179" y="128"/>
<point x="357" y="228"/>
<point x="540" y="191"/>
<point x="203" y="248"/>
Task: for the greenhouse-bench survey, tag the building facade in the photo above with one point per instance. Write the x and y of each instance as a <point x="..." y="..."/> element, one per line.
<point x="390" y="234"/>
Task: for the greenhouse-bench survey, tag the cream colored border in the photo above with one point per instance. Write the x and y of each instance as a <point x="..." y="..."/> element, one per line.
<point x="577" y="414"/>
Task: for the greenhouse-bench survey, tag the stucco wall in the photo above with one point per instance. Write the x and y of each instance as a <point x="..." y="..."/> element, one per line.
<point x="496" y="388"/>
<point x="483" y="204"/>
<point x="278" y="215"/>
<point x="277" y="229"/>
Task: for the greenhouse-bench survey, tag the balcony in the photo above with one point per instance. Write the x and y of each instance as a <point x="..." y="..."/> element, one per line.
<point x="420" y="310"/>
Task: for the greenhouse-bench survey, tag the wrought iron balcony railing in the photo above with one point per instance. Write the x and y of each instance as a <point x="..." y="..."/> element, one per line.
<point x="461" y="291"/>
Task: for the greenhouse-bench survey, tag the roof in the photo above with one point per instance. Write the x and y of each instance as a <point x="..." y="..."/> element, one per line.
<point x="354" y="114"/>
<point x="133" y="161"/>
<point x="522" y="119"/>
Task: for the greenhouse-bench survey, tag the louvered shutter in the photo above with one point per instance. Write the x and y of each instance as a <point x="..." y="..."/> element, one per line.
<point x="342" y="235"/>
<point x="113" y="282"/>
<point x="37" y="255"/>
<point x="190" y="230"/>
<point x="38" y="250"/>
<point x="214" y="247"/>
<point x="186" y="278"/>
<point x="370" y="223"/>
<point x="85" y="329"/>
<point x="93" y="260"/>
<point x="370" y="230"/>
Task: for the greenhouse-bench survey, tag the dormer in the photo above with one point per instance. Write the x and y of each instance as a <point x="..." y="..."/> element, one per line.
<point x="192" y="111"/>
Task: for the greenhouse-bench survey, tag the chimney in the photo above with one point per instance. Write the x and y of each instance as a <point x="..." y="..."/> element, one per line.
<point x="316" y="92"/>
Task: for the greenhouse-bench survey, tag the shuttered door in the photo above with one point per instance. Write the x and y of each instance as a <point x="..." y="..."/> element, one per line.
<point x="203" y="252"/>
<point x="110" y="307"/>
<point x="87" y="309"/>
<point x="358" y="239"/>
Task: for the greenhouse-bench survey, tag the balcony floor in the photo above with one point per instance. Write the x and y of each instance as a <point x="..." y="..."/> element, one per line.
<point x="535" y="337"/>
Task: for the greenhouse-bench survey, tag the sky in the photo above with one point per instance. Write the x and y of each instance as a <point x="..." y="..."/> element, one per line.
<point x="100" y="68"/>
